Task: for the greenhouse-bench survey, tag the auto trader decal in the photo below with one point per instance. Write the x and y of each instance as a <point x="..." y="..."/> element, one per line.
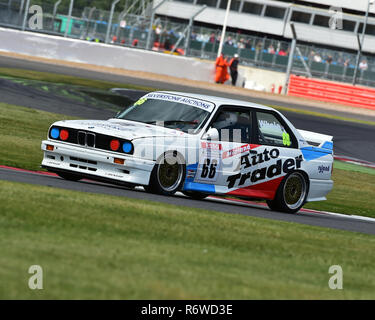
<point x="263" y="173"/>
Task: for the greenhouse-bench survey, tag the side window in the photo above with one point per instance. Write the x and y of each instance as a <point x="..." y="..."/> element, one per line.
<point x="272" y="131"/>
<point x="233" y="126"/>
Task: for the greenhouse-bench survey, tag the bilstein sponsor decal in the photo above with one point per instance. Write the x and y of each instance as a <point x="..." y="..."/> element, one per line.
<point x="323" y="169"/>
<point x="270" y="172"/>
<point x="238" y="150"/>
<point x="211" y="145"/>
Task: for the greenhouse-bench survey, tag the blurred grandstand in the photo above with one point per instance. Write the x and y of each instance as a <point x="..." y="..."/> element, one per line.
<point x="258" y="30"/>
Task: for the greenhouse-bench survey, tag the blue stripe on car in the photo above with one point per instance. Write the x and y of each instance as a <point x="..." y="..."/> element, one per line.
<point x="199" y="187"/>
<point x="328" y="145"/>
<point x="312" y="153"/>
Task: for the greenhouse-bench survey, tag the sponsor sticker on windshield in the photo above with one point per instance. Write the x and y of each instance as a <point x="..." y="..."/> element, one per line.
<point x="140" y="102"/>
<point x="205" y="105"/>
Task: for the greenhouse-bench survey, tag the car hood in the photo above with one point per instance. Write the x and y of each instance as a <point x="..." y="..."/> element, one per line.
<point x="129" y="130"/>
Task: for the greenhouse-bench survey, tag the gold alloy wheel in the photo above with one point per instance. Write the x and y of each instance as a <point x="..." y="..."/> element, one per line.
<point x="170" y="173"/>
<point x="295" y="189"/>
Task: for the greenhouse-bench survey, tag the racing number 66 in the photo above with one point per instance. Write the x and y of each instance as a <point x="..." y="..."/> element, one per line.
<point x="209" y="169"/>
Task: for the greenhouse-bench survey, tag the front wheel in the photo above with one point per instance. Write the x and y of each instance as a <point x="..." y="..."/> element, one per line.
<point x="168" y="175"/>
<point x="291" y="194"/>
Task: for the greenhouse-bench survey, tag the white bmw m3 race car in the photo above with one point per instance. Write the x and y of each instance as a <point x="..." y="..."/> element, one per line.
<point x="200" y="145"/>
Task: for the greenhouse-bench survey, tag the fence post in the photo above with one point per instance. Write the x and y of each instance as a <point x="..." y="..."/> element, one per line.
<point x="153" y="10"/>
<point x="291" y="58"/>
<point x="110" y="20"/>
<point x="20" y="12"/>
<point x="25" y="15"/>
<point x="191" y="21"/>
<point x="360" y="43"/>
<point x="54" y="13"/>
<point x="69" y="18"/>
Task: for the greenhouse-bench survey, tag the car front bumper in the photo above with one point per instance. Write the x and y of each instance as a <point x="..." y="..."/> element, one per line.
<point x="97" y="164"/>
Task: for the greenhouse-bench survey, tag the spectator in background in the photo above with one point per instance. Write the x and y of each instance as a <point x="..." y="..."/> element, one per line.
<point x="363" y="65"/>
<point x="212" y="38"/>
<point x="229" y="41"/>
<point x="259" y="47"/>
<point x="329" y="59"/>
<point x="317" y="57"/>
<point x="135" y="43"/>
<point x="158" y="31"/>
<point x="114" y="39"/>
<point x="233" y="67"/>
<point x="167" y="43"/>
<point x="271" y="49"/>
<point x="241" y="44"/>
<point x="282" y="52"/>
<point x="311" y="55"/>
<point x="248" y="44"/>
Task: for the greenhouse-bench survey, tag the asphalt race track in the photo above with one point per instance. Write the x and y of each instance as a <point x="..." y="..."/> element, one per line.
<point x="351" y="139"/>
<point x="340" y="222"/>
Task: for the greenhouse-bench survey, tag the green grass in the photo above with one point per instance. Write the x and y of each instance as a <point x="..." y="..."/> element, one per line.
<point x="353" y="167"/>
<point x="353" y="193"/>
<point x="23" y="129"/>
<point x="105" y="247"/>
<point x="21" y="133"/>
<point x="64" y="79"/>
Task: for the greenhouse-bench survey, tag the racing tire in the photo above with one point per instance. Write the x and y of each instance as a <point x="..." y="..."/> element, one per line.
<point x="168" y="175"/>
<point x="291" y="194"/>
<point x="195" y="195"/>
<point x="148" y="189"/>
<point x="69" y="176"/>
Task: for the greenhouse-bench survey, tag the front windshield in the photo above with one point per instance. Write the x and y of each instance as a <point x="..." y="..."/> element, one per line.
<point x="168" y="113"/>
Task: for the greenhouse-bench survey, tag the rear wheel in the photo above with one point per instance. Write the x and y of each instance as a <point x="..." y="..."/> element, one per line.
<point x="195" y="195"/>
<point x="69" y="176"/>
<point x="291" y="194"/>
<point x="168" y="175"/>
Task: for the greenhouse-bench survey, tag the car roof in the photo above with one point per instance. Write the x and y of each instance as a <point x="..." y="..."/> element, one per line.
<point x="218" y="101"/>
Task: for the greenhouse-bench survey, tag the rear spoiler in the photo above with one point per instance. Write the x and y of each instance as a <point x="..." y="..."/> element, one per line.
<point x="317" y="139"/>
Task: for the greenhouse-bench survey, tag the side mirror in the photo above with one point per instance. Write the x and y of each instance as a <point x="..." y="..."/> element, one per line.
<point x="212" y="134"/>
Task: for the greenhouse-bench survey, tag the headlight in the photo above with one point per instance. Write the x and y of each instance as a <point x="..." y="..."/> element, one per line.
<point x="55" y="133"/>
<point x="127" y="147"/>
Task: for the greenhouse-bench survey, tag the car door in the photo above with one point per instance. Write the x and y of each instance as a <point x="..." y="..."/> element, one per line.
<point x="219" y="160"/>
<point x="275" y="154"/>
